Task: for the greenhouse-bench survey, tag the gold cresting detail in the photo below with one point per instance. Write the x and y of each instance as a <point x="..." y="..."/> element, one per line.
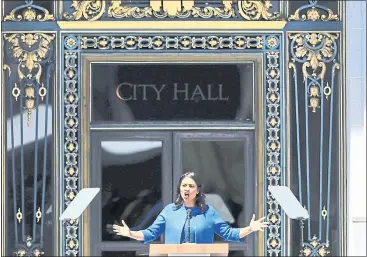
<point x="171" y="8"/>
<point x="29" y="49"/>
<point x="29" y="13"/>
<point x="94" y="10"/>
<point x="313" y="14"/>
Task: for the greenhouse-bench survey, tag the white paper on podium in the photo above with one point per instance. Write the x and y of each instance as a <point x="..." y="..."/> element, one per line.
<point x="287" y="200"/>
<point x="79" y="204"/>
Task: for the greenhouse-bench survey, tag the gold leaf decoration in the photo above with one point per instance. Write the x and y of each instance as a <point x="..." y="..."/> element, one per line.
<point x="313" y="12"/>
<point x="90" y="10"/>
<point x="29" y="249"/>
<point x="29" y="50"/>
<point x="256" y="10"/>
<point x="315" y="49"/>
<point x="315" y="248"/>
<point x="171" y="9"/>
<point x="28" y="12"/>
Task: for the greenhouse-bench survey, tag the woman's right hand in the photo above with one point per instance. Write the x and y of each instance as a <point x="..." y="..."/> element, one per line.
<point x="123" y="230"/>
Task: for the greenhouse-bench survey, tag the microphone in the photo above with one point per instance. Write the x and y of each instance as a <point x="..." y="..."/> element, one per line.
<point x="188" y="223"/>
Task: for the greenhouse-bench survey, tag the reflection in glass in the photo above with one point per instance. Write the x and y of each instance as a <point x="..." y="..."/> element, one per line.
<point x="221" y="166"/>
<point x="131" y="185"/>
<point x="172" y="92"/>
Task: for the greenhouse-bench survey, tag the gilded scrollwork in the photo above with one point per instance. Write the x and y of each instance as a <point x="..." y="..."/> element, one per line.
<point x="172" y="42"/>
<point x="251" y="10"/>
<point x="256" y="10"/>
<point x="315" y="248"/>
<point x="313" y="12"/>
<point x="71" y="142"/>
<point x="314" y="51"/>
<point x="273" y="145"/>
<point x="314" y="55"/>
<point x="88" y="9"/>
<point x="268" y="45"/>
<point x="29" y="249"/>
<point x="29" y="12"/>
<point x="171" y="9"/>
<point x="29" y="51"/>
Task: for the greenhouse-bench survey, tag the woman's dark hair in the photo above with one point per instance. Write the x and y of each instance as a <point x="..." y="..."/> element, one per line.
<point x="200" y="197"/>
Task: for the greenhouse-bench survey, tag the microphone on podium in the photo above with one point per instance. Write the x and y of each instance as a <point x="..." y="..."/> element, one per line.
<point x="188" y="224"/>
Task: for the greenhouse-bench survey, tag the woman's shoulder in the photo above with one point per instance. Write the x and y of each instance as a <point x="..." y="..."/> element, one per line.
<point x="210" y="209"/>
<point x="170" y="207"/>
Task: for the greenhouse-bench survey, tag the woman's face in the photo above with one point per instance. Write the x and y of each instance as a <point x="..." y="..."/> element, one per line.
<point x="188" y="190"/>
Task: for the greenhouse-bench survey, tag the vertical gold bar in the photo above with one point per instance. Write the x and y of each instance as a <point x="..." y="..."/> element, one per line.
<point x="85" y="69"/>
<point x="260" y="149"/>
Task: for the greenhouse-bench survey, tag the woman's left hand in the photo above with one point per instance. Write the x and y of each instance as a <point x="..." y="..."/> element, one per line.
<point x="256" y="225"/>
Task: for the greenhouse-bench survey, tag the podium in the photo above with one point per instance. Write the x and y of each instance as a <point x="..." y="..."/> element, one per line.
<point x="188" y="249"/>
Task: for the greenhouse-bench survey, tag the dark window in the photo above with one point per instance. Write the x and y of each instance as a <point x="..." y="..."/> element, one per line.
<point x="176" y="92"/>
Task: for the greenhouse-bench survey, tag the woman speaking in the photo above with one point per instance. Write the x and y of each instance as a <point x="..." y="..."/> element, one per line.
<point x="190" y="220"/>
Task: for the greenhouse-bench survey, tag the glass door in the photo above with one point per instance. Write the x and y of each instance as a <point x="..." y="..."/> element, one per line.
<point x="225" y="164"/>
<point x="134" y="172"/>
<point x="138" y="174"/>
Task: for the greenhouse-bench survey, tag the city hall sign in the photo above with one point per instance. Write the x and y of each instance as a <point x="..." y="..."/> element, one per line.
<point x="177" y="91"/>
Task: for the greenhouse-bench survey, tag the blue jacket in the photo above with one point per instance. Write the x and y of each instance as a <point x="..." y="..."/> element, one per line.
<point x="171" y="221"/>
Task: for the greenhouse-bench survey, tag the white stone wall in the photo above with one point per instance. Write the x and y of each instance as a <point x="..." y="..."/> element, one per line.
<point x="356" y="125"/>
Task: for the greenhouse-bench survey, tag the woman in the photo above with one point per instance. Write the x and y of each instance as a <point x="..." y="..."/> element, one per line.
<point x="190" y="220"/>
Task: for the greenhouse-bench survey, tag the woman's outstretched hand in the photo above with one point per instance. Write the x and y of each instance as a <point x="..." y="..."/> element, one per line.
<point x="123" y="230"/>
<point x="256" y="225"/>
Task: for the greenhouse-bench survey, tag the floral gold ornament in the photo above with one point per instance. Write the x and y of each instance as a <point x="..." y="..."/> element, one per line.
<point x="88" y="9"/>
<point x="313" y="50"/>
<point x="273" y="148"/>
<point x="314" y="103"/>
<point x="274" y="243"/>
<point x="29" y="249"/>
<point x="256" y="10"/>
<point x="172" y="42"/>
<point x="314" y="97"/>
<point x="313" y="12"/>
<point x="29" y="51"/>
<point x="315" y="248"/>
<point x="115" y="42"/>
<point x="29" y="12"/>
<point x="94" y="10"/>
<point x="272" y="42"/>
